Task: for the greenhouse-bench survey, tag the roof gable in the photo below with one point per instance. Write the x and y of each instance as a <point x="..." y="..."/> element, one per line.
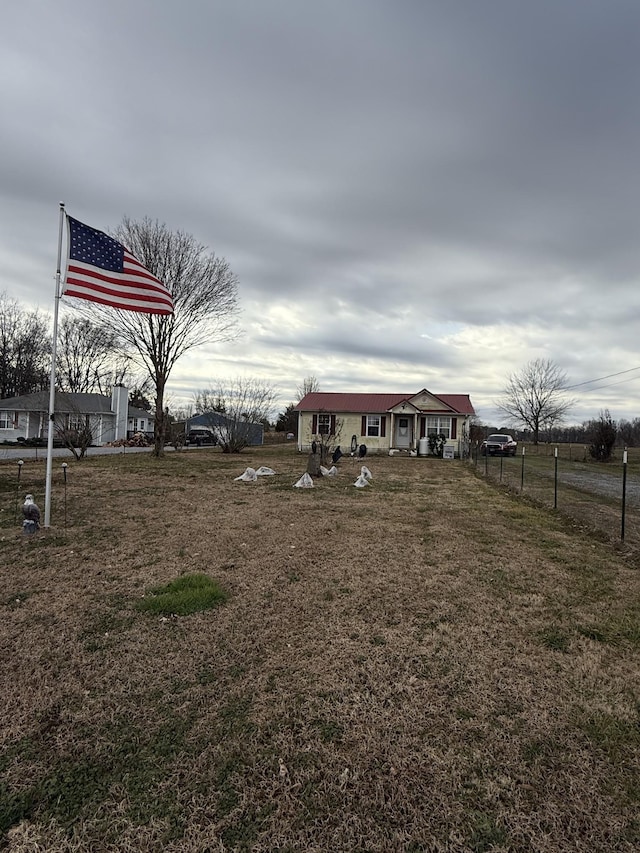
<point x="425" y="400"/>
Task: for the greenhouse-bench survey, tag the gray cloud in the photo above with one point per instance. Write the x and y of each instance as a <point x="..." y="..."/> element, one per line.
<point x="412" y="193"/>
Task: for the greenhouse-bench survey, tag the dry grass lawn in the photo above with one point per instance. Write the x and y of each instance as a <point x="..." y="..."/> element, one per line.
<point x="427" y="664"/>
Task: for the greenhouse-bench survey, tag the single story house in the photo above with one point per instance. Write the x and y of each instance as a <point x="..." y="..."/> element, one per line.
<point x="109" y="418"/>
<point x="385" y="422"/>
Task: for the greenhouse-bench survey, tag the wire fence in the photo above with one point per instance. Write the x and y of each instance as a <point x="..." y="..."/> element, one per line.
<point x="602" y="497"/>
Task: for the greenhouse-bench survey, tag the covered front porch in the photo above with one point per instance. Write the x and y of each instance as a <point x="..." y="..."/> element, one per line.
<point x="410" y="430"/>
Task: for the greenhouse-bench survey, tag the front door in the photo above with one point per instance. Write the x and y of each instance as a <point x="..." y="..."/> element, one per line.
<point x="403" y="432"/>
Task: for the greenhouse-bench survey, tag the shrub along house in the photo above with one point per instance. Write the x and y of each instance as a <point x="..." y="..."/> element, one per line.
<point x="385" y="422"/>
<point x="108" y="418"/>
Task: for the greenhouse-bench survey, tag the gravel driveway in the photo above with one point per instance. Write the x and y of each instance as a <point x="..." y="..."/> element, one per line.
<point x="601" y="483"/>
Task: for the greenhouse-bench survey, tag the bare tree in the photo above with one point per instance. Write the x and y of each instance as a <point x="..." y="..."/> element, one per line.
<point x="629" y="432"/>
<point x="88" y="356"/>
<point x="235" y="408"/>
<point x="75" y="434"/>
<point x="73" y="427"/>
<point x="204" y="291"/>
<point x="25" y="350"/>
<point x="310" y="385"/>
<point x="182" y="412"/>
<point x="324" y="441"/>
<point x="535" y="396"/>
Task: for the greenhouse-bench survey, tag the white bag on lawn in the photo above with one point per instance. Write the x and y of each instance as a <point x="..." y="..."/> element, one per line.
<point x="329" y="472"/>
<point x="249" y="476"/>
<point x="305" y="482"/>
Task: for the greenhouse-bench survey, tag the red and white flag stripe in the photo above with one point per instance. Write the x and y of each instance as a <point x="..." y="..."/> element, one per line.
<point x="134" y="289"/>
<point x="101" y="269"/>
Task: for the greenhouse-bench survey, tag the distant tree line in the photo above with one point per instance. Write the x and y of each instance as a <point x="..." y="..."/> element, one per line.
<point x="535" y="400"/>
<point x="25" y="350"/>
<point x="627" y="433"/>
<point x="89" y="359"/>
<point x="288" y="419"/>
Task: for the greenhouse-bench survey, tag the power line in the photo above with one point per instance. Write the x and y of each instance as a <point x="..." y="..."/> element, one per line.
<point x="611" y="384"/>
<point x="601" y="379"/>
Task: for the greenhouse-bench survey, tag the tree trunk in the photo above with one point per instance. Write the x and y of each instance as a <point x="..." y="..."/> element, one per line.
<point x="313" y="465"/>
<point x="159" y="429"/>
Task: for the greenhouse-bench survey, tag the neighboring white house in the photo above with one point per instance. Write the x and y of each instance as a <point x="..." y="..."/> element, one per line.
<point x="109" y="418"/>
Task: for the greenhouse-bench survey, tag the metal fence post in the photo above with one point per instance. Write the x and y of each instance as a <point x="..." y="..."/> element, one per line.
<point x="20" y="464"/>
<point x="624" y="491"/>
<point x="555" y="480"/>
<point x="522" y="471"/>
<point x="64" y="474"/>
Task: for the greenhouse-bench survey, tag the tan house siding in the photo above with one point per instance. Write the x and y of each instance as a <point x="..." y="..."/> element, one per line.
<point x="400" y="426"/>
<point x="348" y="425"/>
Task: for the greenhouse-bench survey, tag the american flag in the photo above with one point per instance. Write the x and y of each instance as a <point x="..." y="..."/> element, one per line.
<point x="101" y="270"/>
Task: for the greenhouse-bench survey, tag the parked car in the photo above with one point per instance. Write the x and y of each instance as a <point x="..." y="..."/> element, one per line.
<point x="499" y="445"/>
<point x="201" y="436"/>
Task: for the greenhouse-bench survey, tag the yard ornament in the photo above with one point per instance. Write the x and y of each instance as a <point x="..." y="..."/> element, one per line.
<point x="366" y="472"/>
<point x="361" y="482"/>
<point x="249" y="476"/>
<point x="305" y="482"/>
<point x="263" y="471"/>
<point x="31" y="515"/>
<point x="329" y="472"/>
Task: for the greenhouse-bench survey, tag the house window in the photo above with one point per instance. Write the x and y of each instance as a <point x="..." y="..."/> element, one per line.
<point x="77" y="422"/>
<point x="324" y="424"/>
<point x="137" y="424"/>
<point x="6" y="420"/>
<point x="437" y="425"/>
<point x="373" y="425"/>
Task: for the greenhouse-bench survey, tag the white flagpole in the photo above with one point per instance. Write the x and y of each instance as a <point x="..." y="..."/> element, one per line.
<point x="52" y="381"/>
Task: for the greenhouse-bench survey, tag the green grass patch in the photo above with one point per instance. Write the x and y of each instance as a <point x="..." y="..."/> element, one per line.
<point x="619" y="739"/>
<point x="16" y="600"/>
<point x="615" y="630"/>
<point x="329" y="731"/>
<point x="186" y="594"/>
<point x="555" y="638"/>
<point x="486" y="834"/>
<point x="135" y="758"/>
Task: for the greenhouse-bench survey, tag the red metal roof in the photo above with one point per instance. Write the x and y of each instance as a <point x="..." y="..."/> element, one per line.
<point x="377" y="403"/>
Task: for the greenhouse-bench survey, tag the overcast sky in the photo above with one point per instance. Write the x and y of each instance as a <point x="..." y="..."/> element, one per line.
<point x="412" y="193"/>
